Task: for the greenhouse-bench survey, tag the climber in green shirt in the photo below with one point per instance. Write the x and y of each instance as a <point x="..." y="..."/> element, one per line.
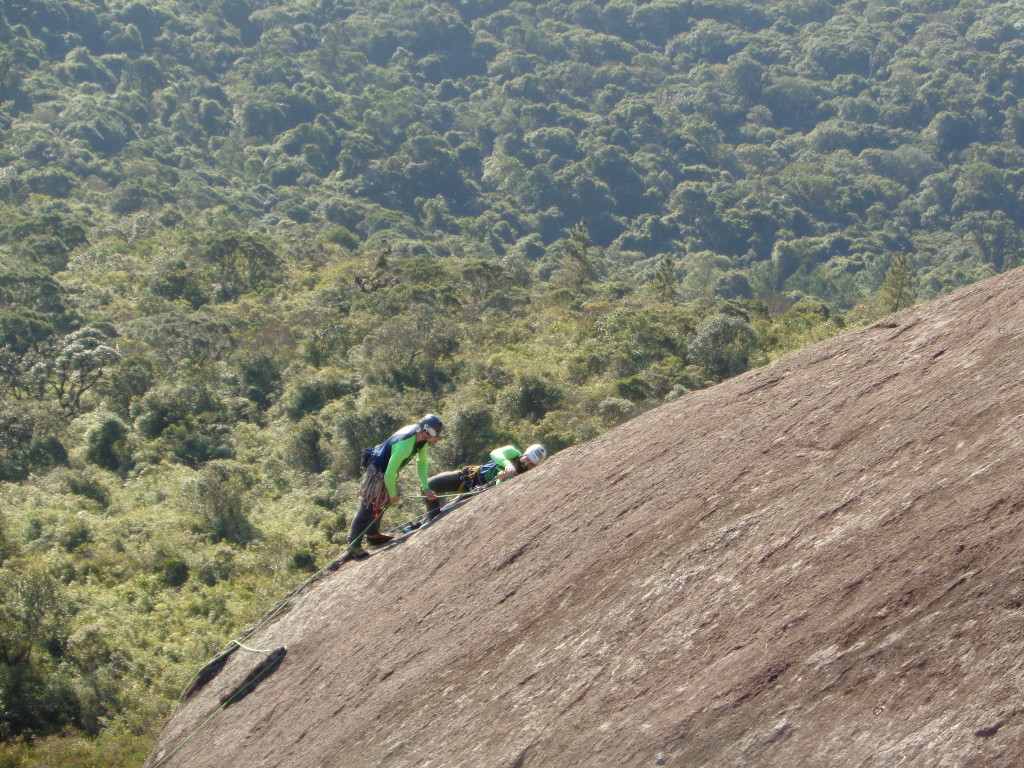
<point x="380" y="479"/>
<point x="505" y="462"/>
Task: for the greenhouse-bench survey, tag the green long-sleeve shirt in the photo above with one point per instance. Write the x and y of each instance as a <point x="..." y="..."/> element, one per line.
<point x="395" y="452"/>
<point x="501" y="459"/>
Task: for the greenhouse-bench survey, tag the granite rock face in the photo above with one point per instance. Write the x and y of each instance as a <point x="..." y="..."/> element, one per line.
<point x="818" y="563"/>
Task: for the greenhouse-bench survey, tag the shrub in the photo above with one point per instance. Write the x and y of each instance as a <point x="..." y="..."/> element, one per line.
<point x="7" y="547"/>
<point x="560" y="429"/>
<point x="363" y="429"/>
<point x="35" y="688"/>
<point x="614" y="410"/>
<point x="188" y="419"/>
<point x="74" y="535"/>
<point x="86" y="484"/>
<point x="336" y="527"/>
<point x="343" y="237"/>
<point x="107" y="444"/>
<point x="723" y="345"/>
<point x="303" y="561"/>
<point x="173" y="571"/>
<point x="311" y="392"/>
<point x="31" y="441"/>
<point x="176" y="281"/>
<point x="634" y="388"/>
<point x="197" y="443"/>
<point x="302" y="449"/>
<point x="529" y="398"/>
<point x="216" y="498"/>
<point x="218" y="567"/>
<point x="260" y="378"/>
<point x="469" y="435"/>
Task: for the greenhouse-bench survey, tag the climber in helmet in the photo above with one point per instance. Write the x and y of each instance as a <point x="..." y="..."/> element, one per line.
<point x="505" y="463"/>
<point x="380" y="479"/>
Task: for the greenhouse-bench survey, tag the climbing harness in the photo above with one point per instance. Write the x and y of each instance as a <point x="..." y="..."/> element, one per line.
<point x="472" y="476"/>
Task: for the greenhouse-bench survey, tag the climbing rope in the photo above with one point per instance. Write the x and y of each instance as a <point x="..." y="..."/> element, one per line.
<point x="212" y="667"/>
<point x="253" y="650"/>
<point x="267" y="666"/>
<point x="461" y="497"/>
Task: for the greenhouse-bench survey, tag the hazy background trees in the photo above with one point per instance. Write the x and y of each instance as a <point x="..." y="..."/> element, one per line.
<point x="242" y="241"/>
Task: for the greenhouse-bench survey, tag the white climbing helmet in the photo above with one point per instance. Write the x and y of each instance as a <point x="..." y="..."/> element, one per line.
<point x="536" y="453"/>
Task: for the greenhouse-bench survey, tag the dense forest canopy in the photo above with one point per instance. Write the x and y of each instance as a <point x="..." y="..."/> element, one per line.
<point x="241" y="240"/>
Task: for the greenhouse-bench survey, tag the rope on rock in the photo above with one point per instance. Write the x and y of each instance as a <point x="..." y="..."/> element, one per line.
<point x="276" y="655"/>
<point x="264" y="668"/>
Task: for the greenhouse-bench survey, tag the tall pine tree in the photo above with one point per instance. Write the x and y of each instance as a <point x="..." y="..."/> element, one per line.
<point x="578" y="267"/>
<point x="897" y="292"/>
<point x="664" y="282"/>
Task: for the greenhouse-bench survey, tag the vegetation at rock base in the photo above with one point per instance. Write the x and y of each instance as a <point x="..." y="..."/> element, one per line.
<point x="240" y="241"/>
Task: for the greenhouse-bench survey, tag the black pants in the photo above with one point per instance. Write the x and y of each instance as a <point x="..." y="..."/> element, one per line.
<point x="443" y="484"/>
<point x="364" y="522"/>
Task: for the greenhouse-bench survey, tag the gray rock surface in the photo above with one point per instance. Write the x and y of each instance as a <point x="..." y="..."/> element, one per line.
<point x="815" y="564"/>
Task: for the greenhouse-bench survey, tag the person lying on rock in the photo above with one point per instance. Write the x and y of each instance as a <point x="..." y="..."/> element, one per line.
<point x="379" y="487"/>
<point x="505" y="462"/>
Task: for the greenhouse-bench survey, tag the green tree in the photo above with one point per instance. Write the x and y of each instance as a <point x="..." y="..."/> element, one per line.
<point x="36" y="694"/>
<point x="529" y="397"/>
<point x="12" y="70"/>
<point x="216" y="497"/>
<point x="75" y="365"/>
<point x="579" y="270"/>
<point x="29" y="288"/>
<point x="241" y="262"/>
<point x="897" y="292"/>
<point x="723" y="345"/>
<point x="999" y="241"/>
<point x="664" y="283"/>
<point x="23" y="334"/>
<point x="107" y="444"/>
<point x="31" y="439"/>
<point x="411" y="351"/>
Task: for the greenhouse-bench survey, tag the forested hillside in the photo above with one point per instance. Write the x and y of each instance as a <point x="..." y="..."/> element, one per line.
<point x="241" y="240"/>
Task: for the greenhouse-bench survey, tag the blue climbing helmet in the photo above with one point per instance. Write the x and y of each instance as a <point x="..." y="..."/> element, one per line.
<point x="431" y="424"/>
